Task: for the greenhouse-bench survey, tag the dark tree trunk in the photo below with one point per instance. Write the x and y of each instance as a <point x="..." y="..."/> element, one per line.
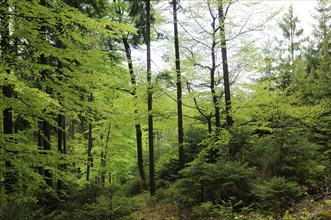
<point x="59" y="145"/>
<point x="89" y="147"/>
<point x="40" y="146"/>
<point x="47" y="147"/>
<point x="104" y="158"/>
<point x="61" y="117"/>
<point x="72" y="129"/>
<point x="140" y="157"/>
<point x="64" y="138"/>
<point x="150" y="102"/>
<point x="140" y="152"/>
<point x="229" y="119"/>
<point x="215" y="97"/>
<point x="209" y="124"/>
<point x="179" y="91"/>
<point x="62" y="147"/>
<point x="11" y="174"/>
<point x="46" y="128"/>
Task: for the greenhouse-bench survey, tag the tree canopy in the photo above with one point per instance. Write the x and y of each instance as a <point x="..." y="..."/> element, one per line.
<point x="229" y="125"/>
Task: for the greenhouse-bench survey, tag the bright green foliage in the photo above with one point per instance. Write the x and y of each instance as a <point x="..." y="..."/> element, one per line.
<point x="43" y="90"/>
<point x="62" y="52"/>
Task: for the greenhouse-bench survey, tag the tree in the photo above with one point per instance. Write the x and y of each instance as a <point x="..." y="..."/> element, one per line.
<point x="179" y="90"/>
<point x="11" y="177"/>
<point x="292" y="44"/>
<point x="291" y="32"/>
<point x="150" y="101"/>
<point x="137" y="125"/>
<point x="227" y="94"/>
<point x="134" y="38"/>
<point x="323" y="18"/>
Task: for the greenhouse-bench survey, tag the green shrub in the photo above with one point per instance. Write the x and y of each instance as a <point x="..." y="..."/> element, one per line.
<point x="277" y="194"/>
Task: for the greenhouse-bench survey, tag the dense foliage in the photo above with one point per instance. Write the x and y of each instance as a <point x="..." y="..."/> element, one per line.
<point x="75" y="140"/>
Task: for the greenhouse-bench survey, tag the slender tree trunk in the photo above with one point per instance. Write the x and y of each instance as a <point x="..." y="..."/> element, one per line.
<point x="47" y="147"/>
<point x="89" y="147"/>
<point x="150" y="102"/>
<point x="229" y="119"/>
<point x="64" y="138"/>
<point x="40" y="146"/>
<point x="140" y="157"/>
<point x="209" y="124"/>
<point x="140" y="152"/>
<point x="179" y="91"/>
<point x="72" y="129"/>
<point x="11" y="176"/>
<point x="61" y="117"/>
<point x="215" y="98"/>
<point x="104" y="158"/>
<point x="62" y="147"/>
<point x="59" y="145"/>
<point x="46" y="129"/>
<point x="213" y="90"/>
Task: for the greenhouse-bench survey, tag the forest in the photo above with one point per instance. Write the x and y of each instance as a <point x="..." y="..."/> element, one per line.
<point x="164" y="109"/>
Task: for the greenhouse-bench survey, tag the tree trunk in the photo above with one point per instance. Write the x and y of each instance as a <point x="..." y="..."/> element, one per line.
<point x="59" y="145"/>
<point x="62" y="147"/>
<point x="64" y="138"/>
<point x="40" y="146"/>
<point x="140" y="157"/>
<point x="229" y="119"/>
<point x="46" y="129"/>
<point x="89" y="147"/>
<point x="215" y="97"/>
<point x="179" y="91"/>
<point x="104" y="159"/>
<point x="150" y="102"/>
<point x="47" y="147"/>
<point x="11" y="176"/>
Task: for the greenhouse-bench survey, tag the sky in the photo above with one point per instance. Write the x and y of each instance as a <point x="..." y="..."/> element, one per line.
<point x="302" y="8"/>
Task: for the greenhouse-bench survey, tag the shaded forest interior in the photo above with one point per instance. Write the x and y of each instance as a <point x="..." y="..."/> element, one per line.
<point x="127" y="109"/>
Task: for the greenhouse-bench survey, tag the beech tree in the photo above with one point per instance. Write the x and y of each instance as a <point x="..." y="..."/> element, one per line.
<point x="134" y="11"/>
<point x="150" y="100"/>
<point x="77" y="111"/>
<point x="179" y="90"/>
<point x="10" y="174"/>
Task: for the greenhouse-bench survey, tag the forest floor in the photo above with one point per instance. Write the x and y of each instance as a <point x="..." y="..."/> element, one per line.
<point x="312" y="208"/>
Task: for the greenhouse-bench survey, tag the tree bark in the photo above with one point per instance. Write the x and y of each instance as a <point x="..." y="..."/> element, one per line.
<point x="150" y="102"/>
<point x="59" y="145"/>
<point x="212" y="81"/>
<point x="104" y="158"/>
<point x="140" y="157"/>
<point x="179" y="91"/>
<point x="89" y="148"/>
<point x="11" y="176"/>
<point x="62" y="147"/>
<point x="229" y="119"/>
<point x="40" y="146"/>
<point x="47" y="147"/>
<point x="46" y="129"/>
<point x="64" y="138"/>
